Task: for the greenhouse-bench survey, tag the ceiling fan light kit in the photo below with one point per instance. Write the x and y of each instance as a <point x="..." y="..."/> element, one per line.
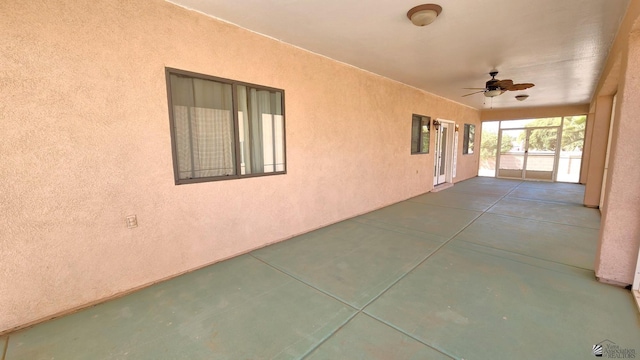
<point x="423" y="15"/>
<point x="493" y="93"/>
<point x="495" y="87"/>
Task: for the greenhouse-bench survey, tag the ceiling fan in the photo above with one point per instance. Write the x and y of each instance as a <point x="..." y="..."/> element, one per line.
<point x="495" y="87"/>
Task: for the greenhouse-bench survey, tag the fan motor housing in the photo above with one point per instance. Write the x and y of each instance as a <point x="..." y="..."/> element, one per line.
<point x="491" y="84"/>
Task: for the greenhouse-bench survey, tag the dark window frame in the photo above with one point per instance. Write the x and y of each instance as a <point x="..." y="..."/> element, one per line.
<point x="234" y="94"/>
<point x="469" y="137"/>
<point x="417" y="138"/>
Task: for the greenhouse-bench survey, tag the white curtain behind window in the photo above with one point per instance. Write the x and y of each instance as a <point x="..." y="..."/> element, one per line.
<point x="205" y="142"/>
<point x="203" y="127"/>
<point x="261" y="130"/>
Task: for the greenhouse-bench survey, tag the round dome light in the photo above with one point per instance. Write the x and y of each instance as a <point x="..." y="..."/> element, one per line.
<point x="423" y="15"/>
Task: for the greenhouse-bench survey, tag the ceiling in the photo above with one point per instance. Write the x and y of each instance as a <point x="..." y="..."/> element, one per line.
<point x="559" y="45"/>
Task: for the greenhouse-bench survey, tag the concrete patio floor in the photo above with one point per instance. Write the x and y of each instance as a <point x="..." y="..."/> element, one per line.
<point x="488" y="269"/>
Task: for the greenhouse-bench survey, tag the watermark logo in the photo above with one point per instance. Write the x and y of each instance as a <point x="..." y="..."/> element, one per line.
<point x="608" y="349"/>
<point x="597" y="350"/>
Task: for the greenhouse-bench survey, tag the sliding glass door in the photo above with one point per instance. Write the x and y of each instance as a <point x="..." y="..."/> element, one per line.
<point x="528" y="153"/>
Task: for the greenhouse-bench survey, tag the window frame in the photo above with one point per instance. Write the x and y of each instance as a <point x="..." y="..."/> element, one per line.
<point x="421" y="119"/>
<point x="236" y="127"/>
<point x="465" y="139"/>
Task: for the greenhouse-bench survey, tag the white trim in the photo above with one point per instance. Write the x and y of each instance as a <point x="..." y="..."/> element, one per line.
<point x="454" y="151"/>
<point x="451" y="156"/>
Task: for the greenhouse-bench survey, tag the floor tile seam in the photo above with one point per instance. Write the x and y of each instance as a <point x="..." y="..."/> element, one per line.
<point x="578" y="268"/>
<point x="400" y="276"/>
<point x="544" y="221"/>
<point x="394" y="279"/>
<point x="548" y="201"/>
<point x="503" y="196"/>
<point x="6" y="348"/>
<point x="506" y="195"/>
<point x="442" y="351"/>
<point x="550" y="191"/>
<point x="525" y="187"/>
<point x="440" y="206"/>
<point x="410" y="229"/>
<point x="330" y="335"/>
<point x="488" y="212"/>
<point x="449" y="207"/>
<point x="542" y="184"/>
<point x="285" y="272"/>
<point x="360" y="311"/>
<point x="321" y="339"/>
<point x="571" y="271"/>
<point x="477" y="192"/>
<point x="420" y="263"/>
<point x="400" y="232"/>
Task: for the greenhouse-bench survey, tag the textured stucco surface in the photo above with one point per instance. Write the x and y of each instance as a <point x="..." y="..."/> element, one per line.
<point x="85" y="142"/>
<point x="598" y="150"/>
<point x="586" y="150"/>
<point x="620" y="230"/>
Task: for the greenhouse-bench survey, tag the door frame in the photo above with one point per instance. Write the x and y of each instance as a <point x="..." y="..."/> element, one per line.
<point x="451" y="156"/>
<point x="528" y="130"/>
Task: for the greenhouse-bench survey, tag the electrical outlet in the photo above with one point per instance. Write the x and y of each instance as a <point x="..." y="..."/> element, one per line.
<point x="132" y="221"/>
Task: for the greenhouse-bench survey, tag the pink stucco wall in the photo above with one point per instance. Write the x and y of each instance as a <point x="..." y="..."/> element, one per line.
<point x="620" y="228"/>
<point x="598" y="150"/>
<point x="586" y="154"/>
<point x="85" y="142"/>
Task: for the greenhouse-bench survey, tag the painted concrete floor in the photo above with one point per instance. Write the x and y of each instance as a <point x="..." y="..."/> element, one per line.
<point x="488" y="269"/>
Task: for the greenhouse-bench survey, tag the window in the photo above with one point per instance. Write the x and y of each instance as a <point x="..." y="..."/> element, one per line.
<point x="420" y="134"/>
<point x="469" y="138"/>
<point x="223" y="129"/>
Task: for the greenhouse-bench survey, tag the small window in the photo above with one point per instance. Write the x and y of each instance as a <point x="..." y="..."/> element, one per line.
<point x="223" y="129"/>
<point x="469" y="138"/>
<point x="420" y="134"/>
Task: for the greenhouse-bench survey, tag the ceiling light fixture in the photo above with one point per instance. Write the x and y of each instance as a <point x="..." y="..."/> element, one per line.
<point x="522" y="97"/>
<point x="493" y="93"/>
<point x="422" y="15"/>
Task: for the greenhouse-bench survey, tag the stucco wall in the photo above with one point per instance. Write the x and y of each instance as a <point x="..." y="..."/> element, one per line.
<point x="598" y="149"/>
<point x="620" y="227"/>
<point x="85" y="142"/>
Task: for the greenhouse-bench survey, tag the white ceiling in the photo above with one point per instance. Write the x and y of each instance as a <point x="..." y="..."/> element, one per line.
<point x="559" y="45"/>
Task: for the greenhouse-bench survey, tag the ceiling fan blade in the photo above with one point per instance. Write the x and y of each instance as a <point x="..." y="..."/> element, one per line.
<point x="505" y="84"/>
<point x="473" y="88"/>
<point x="523" y="86"/>
<point x="477" y="92"/>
